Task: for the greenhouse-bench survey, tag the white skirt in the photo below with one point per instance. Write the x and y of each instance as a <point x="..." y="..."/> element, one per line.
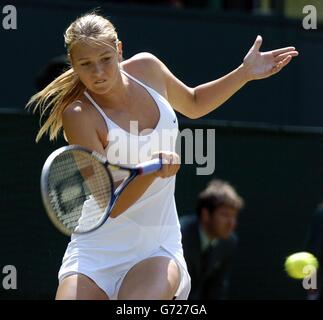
<point x="106" y="260"/>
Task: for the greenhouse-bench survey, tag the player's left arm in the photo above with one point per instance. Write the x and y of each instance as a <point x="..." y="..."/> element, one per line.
<point x="199" y="101"/>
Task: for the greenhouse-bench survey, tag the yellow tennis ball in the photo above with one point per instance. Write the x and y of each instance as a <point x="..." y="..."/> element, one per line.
<point x="300" y="265"/>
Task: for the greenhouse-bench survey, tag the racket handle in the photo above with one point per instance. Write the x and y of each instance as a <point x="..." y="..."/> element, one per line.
<point x="149" y="166"/>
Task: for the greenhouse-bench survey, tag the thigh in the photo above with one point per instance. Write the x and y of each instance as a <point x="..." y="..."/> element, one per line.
<point x="79" y="287"/>
<point x="155" y="278"/>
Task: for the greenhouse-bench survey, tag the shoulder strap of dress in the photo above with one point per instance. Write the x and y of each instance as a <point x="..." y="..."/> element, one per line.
<point x="95" y="105"/>
<point x="135" y="79"/>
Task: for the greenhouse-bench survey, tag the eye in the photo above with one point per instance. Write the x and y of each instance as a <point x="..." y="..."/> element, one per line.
<point x="85" y="64"/>
<point x="105" y="59"/>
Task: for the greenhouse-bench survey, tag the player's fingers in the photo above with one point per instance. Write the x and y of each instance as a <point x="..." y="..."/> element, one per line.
<point x="173" y="169"/>
<point x="169" y="168"/>
<point x="284" y="62"/>
<point x="281" y="64"/>
<point x="156" y="155"/>
<point x="163" y="172"/>
<point x="282" y="50"/>
<point x="176" y="168"/>
<point x="176" y="163"/>
<point x="276" y="68"/>
<point x="174" y="158"/>
<point x="177" y="159"/>
<point x="170" y="163"/>
<point x="284" y="55"/>
<point x="257" y="44"/>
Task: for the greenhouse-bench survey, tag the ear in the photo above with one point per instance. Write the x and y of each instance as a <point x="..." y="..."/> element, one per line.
<point x="69" y="58"/>
<point x="120" y="51"/>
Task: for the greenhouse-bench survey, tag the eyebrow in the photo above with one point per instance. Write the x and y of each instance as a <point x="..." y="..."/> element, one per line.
<point x="102" y="54"/>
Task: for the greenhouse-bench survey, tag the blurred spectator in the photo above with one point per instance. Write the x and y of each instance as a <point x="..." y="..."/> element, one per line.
<point x="314" y="245"/>
<point x="209" y="241"/>
<point x="238" y="5"/>
<point x="52" y="70"/>
<point x="225" y="5"/>
<point x="174" y="3"/>
<point x="195" y="3"/>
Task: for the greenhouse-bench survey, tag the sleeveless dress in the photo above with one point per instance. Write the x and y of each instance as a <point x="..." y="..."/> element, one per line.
<point x="150" y="227"/>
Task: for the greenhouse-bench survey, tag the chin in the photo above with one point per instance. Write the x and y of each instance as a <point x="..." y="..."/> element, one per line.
<point x="100" y="90"/>
<point x="225" y="235"/>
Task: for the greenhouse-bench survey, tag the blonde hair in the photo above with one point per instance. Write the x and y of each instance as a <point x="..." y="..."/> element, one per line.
<point x="65" y="89"/>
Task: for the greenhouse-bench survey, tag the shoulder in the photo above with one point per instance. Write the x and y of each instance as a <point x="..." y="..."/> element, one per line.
<point x="74" y="118"/>
<point x="155" y="73"/>
<point x="144" y="59"/>
<point x="148" y="68"/>
<point x="75" y="112"/>
<point x="82" y="126"/>
<point x="77" y="107"/>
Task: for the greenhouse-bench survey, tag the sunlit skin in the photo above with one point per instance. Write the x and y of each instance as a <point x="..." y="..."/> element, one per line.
<point x="221" y="223"/>
<point x="97" y="66"/>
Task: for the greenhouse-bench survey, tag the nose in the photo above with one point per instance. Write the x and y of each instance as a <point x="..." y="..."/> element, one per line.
<point x="98" y="70"/>
<point x="232" y="224"/>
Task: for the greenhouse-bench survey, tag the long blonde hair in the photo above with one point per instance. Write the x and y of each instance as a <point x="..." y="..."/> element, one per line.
<point x="66" y="88"/>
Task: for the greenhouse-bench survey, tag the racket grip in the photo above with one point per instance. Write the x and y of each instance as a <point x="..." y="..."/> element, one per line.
<point x="149" y="166"/>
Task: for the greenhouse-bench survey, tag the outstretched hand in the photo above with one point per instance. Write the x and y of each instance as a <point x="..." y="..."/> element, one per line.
<point x="260" y="65"/>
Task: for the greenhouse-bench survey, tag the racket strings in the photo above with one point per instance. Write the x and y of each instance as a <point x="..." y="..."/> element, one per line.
<point x="79" y="190"/>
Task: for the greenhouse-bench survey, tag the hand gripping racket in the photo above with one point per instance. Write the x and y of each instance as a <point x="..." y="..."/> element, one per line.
<point x="79" y="188"/>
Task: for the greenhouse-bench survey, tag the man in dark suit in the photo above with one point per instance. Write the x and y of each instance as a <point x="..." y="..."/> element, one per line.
<point x="209" y="241"/>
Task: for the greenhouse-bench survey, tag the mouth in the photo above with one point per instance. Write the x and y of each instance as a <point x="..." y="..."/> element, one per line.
<point x="99" y="81"/>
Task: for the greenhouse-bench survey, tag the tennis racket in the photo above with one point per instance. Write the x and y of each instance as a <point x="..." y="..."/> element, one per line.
<point x="79" y="187"/>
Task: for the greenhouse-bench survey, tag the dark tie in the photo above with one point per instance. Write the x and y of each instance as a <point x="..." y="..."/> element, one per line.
<point x="205" y="257"/>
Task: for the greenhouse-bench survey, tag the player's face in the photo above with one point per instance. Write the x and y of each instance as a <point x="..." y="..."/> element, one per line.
<point x="96" y="65"/>
<point x="223" y="222"/>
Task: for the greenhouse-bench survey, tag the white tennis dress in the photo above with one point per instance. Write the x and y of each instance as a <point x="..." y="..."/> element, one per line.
<point x="150" y="227"/>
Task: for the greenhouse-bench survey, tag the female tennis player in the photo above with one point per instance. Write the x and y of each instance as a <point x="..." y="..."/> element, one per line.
<point x="137" y="253"/>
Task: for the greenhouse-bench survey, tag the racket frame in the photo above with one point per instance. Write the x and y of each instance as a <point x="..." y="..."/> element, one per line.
<point x="45" y="192"/>
<point x="134" y="171"/>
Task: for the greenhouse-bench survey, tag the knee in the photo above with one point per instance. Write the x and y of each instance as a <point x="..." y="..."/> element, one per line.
<point x="79" y="287"/>
<point x="154" y="279"/>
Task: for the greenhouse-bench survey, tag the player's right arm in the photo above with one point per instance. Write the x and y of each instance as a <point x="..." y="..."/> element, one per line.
<point x="79" y="128"/>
